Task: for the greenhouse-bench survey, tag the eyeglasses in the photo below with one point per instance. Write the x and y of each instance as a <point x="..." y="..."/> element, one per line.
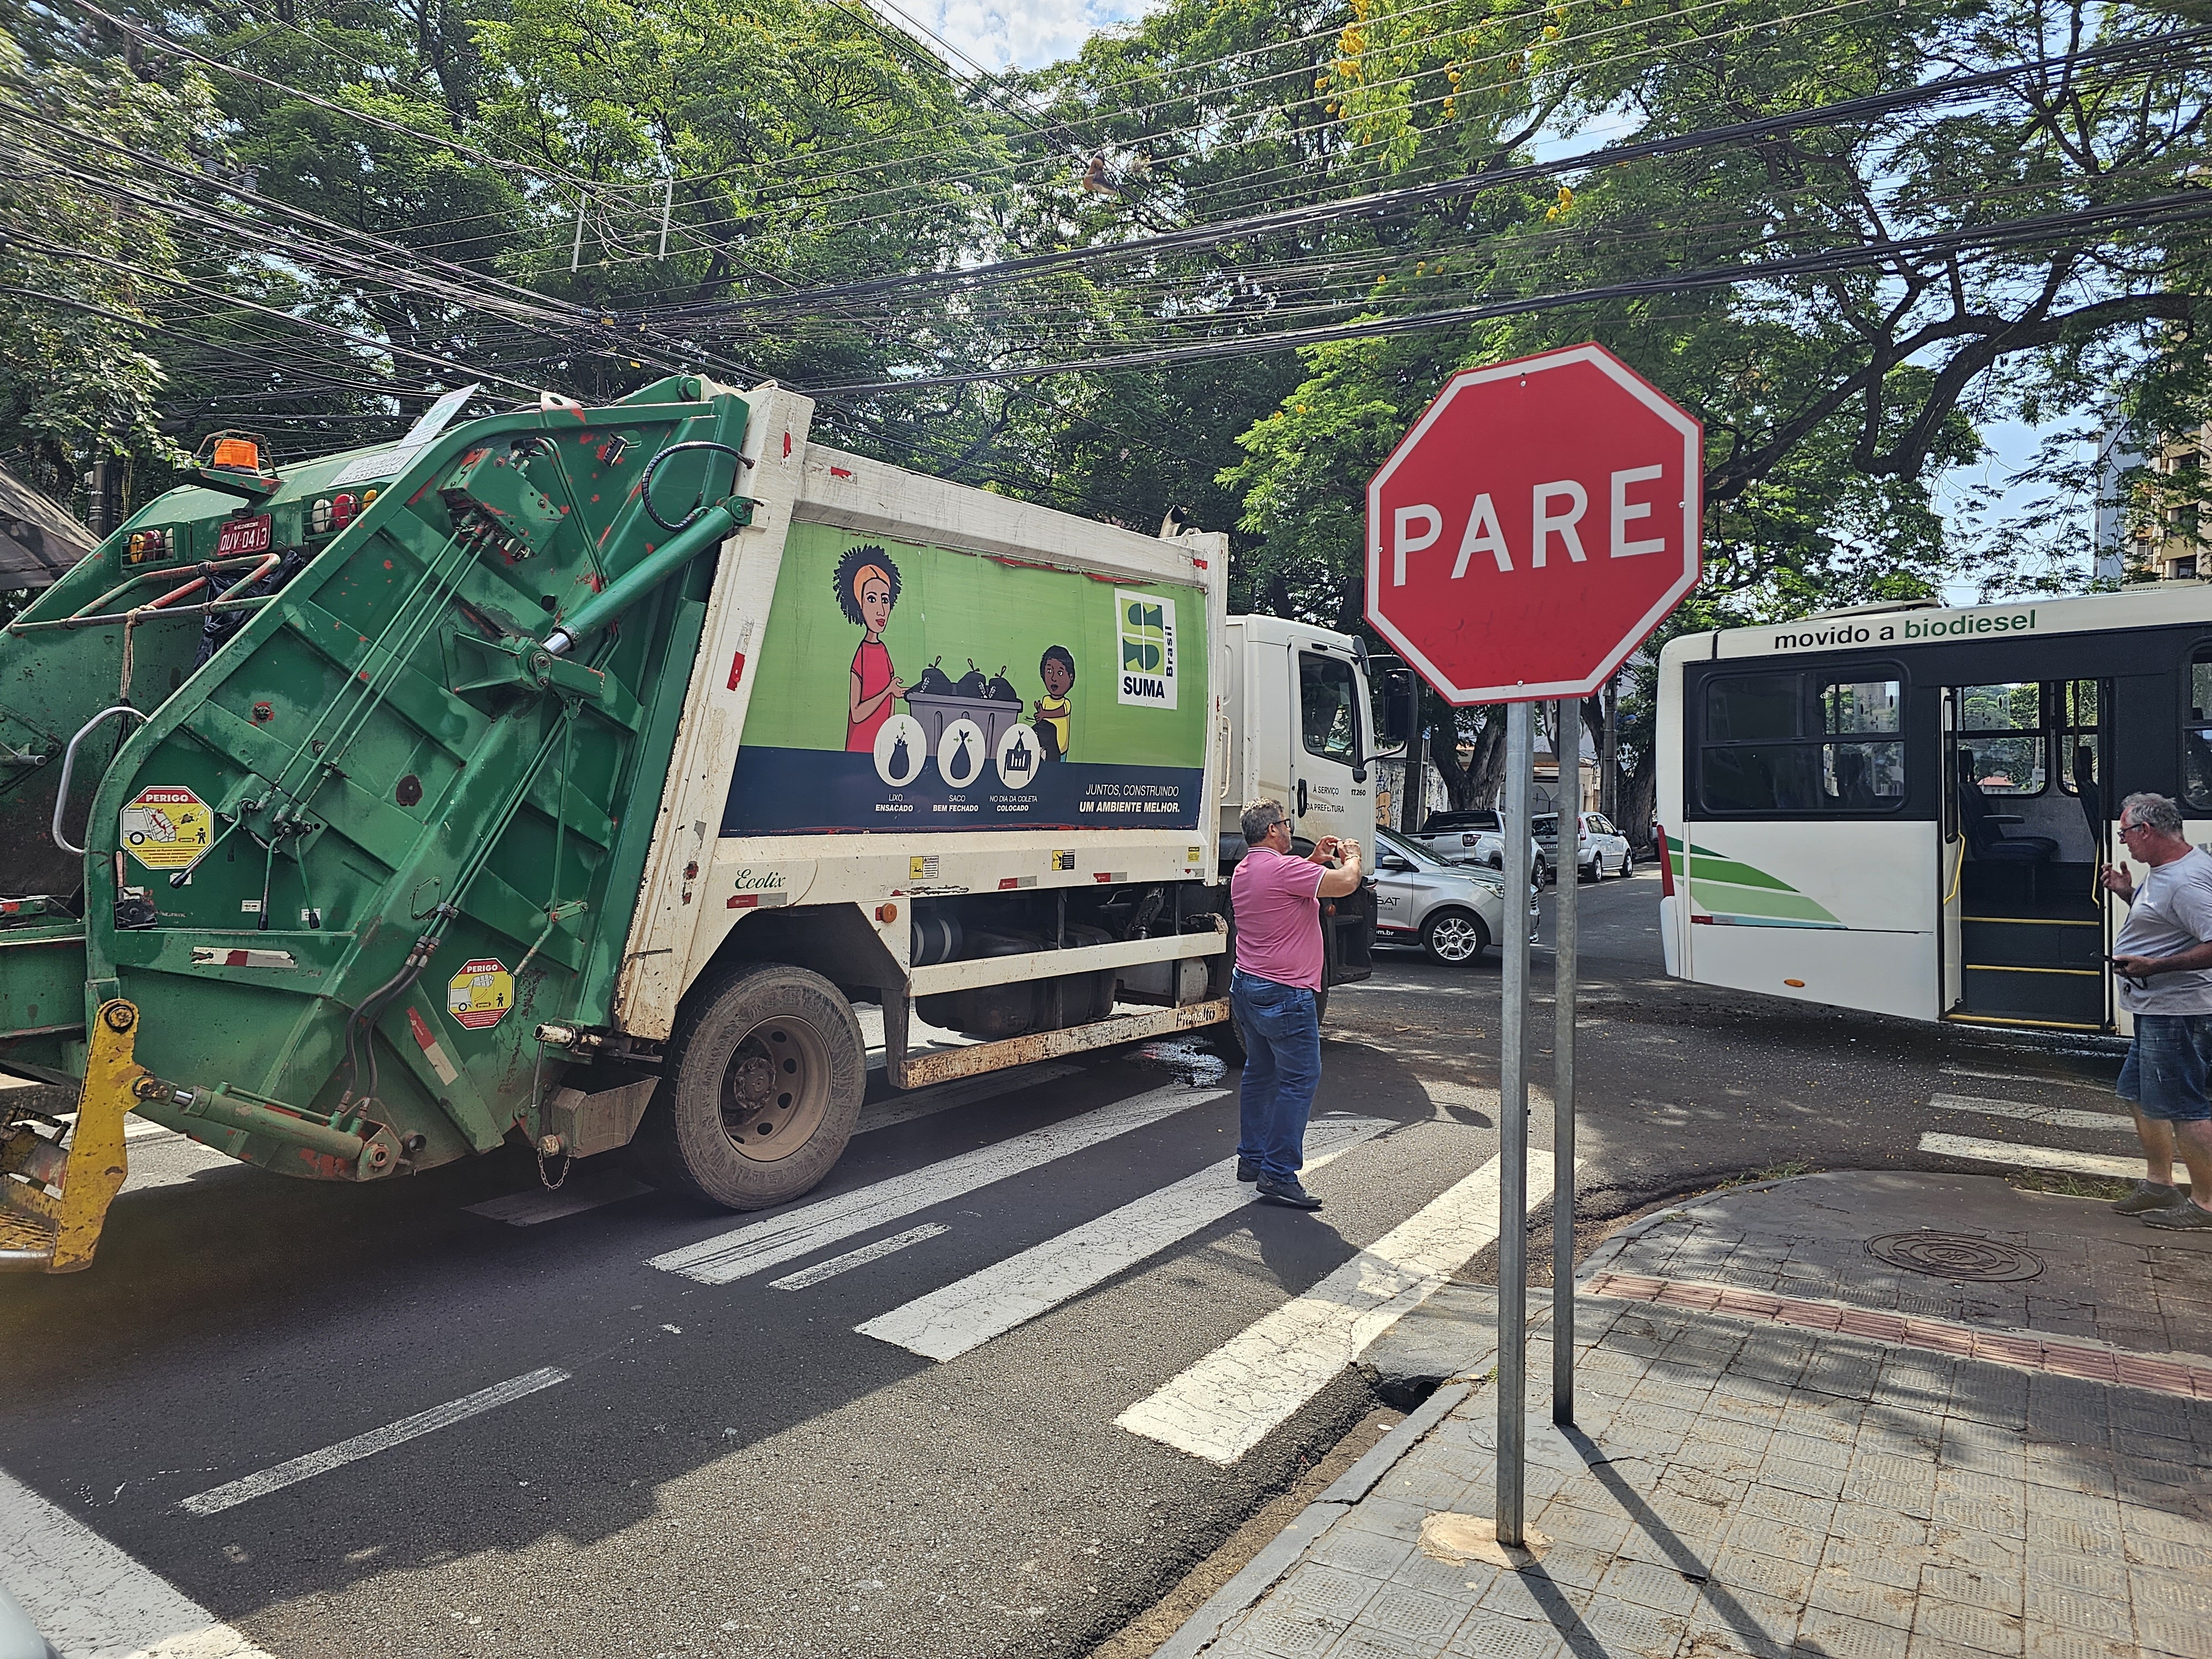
<point x="2131" y="829"/>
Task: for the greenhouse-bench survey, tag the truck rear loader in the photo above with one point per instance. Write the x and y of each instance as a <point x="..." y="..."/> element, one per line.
<point x="567" y="777"/>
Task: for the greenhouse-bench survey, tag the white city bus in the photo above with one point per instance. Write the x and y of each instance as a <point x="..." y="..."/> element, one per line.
<point x="1902" y="808"/>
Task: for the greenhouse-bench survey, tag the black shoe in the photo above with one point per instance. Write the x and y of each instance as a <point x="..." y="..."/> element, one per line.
<point x="2147" y="1196"/>
<point x="1288" y="1193"/>
<point x="1247" y="1169"/>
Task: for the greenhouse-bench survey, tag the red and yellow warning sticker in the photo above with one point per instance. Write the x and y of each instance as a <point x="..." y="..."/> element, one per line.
<point x="167" y="827"/>
<point x="479" y="996"/>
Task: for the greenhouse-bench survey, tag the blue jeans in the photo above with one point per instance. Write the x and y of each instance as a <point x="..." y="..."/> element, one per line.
<point x="2165" y="1074"/>
<point x="1282" y="1069"/>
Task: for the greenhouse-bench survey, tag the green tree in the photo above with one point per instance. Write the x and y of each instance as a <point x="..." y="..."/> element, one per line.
<point x="84" y="272"/>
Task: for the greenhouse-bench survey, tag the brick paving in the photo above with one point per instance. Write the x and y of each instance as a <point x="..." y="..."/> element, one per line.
<point x="1741" y="1483"/>
<point x="2027" y="1352"/>
<point x="2105" y="1278"/>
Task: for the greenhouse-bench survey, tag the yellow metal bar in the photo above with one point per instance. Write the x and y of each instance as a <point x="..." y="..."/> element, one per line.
<point x="96" y="1161"/>
<point x="2033" y="1024"/>
<point x="2002" y="967"/>
<point x="2035" y="922"/>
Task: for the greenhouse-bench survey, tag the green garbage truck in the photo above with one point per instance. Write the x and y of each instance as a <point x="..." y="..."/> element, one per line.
<point x="572" y="777"/>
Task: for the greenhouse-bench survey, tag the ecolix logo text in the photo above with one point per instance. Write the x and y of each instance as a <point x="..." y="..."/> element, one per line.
<point x="1146" y="627"/>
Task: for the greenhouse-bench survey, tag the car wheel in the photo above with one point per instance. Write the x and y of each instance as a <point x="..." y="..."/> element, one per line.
<point x="1457" y="939"/>
<point x="1627" y="863"/>
<point x="760" y="1089"/>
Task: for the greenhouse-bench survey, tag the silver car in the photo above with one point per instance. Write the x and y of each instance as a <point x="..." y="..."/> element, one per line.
<point x="1603" y="848"/>
<point x="1453" y="911"/>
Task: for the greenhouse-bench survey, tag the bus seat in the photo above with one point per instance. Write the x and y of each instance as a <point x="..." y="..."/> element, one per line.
<point x="1854" y="785"/>
<point x="1985" y="828"/>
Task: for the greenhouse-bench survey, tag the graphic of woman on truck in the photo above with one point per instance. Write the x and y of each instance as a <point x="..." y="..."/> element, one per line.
<point x="867" y="588"/>
<point x="1056" y="668"/>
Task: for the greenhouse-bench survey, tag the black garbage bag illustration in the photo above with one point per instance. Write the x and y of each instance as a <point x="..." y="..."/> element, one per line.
<point x="964" y="763"/>
<point x="900" y="756"/>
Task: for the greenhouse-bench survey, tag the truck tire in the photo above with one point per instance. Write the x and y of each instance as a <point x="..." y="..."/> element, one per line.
<point x="761" y="1091"/>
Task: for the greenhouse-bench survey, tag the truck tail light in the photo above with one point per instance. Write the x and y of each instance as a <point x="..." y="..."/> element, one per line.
<point x="341" y="511"/>
<point x="319" y="518"/>
<point x="1665" y="860"/>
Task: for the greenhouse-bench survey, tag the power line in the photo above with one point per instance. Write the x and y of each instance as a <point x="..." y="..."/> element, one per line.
<point x="1390" y="202"/>
<point x="2181" y="208"/>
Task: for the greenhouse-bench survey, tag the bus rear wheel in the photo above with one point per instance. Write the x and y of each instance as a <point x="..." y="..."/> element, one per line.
<point x="762" y="1089"/>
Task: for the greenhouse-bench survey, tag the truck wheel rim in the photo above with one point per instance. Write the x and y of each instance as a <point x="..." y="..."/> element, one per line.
<point x="775" y="1090"/>
<point x="1456" y="938"/>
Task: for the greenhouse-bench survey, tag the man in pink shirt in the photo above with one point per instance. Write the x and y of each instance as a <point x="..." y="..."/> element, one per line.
<point x="1276" y="900"/>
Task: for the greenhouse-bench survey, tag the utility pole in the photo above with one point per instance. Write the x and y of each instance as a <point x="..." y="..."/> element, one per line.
<point x="98" y="488"/>
<point x="1608" y="756"/>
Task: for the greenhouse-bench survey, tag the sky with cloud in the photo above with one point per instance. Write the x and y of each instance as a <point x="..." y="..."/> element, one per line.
<point x="1029" y="32"/>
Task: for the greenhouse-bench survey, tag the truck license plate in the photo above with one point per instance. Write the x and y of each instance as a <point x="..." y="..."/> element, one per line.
<point x="242" y="537"/>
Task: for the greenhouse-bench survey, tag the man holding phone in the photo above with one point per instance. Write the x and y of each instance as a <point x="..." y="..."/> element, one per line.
<point x="1275" y="993"/>
<point x="2163" y="957"/>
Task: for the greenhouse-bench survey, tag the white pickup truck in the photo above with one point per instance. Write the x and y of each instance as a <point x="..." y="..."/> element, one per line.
<point x="1476" y="837"/>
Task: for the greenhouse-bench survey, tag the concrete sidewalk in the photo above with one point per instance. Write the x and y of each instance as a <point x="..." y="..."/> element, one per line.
<point x="1802" y="1429"/>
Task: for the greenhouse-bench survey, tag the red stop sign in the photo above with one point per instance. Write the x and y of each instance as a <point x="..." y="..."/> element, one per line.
<point x="1534" y="526"/>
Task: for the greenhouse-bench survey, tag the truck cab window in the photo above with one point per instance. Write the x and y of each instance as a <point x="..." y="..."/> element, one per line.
<point x="1327" y="696"/>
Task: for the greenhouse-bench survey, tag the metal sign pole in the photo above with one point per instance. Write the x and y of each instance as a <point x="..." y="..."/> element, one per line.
<point x="1565" y="943"/>
<point x="1513" y="1130"/>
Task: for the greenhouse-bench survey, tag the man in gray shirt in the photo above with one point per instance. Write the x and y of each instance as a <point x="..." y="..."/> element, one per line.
<point x="2164" y="960"/>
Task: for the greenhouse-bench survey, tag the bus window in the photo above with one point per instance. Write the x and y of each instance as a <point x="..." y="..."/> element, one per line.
<point x="2002" y="725"/>
<point x="1801" y="744"/>
<point x="2078" y="709"/>
<point x="2196" y="731"/>
<point x="1327" y="692"/>
<point x="1863" y="777"/>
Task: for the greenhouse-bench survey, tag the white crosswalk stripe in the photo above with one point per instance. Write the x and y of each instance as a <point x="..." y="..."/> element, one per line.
<point x="2026" y="1077"/>
<point x="1228" y="1402"/>
<point x="860" y="1258"/>
<point x="750" y="1250"/>
<point x="2056" y="1117"/>
<point x="92" y="1601"/>
<point x="961" y="1317"/>
<point x="2018" y="1156"/>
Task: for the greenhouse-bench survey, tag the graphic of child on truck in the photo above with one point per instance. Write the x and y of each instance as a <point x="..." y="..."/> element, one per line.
<point x="1056" y="668"/>
<point x="867" y="588"/>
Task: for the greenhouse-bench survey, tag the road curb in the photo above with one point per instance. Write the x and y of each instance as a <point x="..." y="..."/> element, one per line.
<point x="1260" y="1574"/>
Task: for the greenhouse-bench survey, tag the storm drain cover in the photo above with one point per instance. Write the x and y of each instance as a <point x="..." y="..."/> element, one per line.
<point x="1956" y="1256"/>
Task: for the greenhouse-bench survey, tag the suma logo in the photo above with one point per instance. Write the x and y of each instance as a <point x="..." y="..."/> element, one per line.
<point x="1146" y="626"/>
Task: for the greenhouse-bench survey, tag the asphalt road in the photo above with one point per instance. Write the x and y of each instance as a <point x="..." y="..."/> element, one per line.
<point x="731" y="1468"/>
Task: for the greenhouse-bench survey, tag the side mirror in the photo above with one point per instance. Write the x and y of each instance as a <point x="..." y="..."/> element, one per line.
<point x="1391" y="861"/>
<point x="1400" y="711"/>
